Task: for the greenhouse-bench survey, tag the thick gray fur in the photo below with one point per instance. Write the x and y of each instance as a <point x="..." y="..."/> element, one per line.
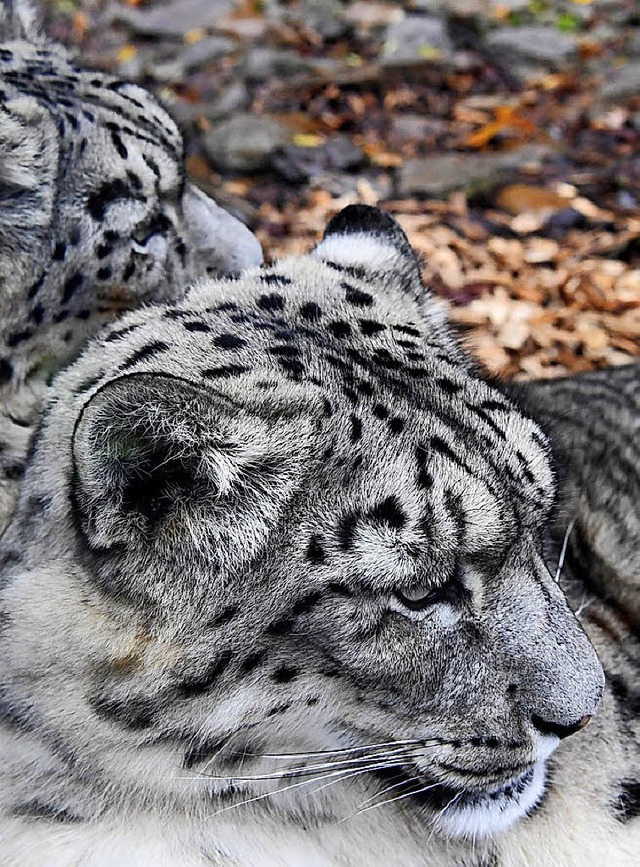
<point x="275" y="594"/>
<point x="96" y="217"/>
<point x="593" y="420"/>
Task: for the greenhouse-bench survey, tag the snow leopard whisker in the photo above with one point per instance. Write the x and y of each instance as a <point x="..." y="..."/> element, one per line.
<point x="286" y="773"/>
<point x="388" y="801"/>
<point x="395" y="757"/>
<point x="198" y="736"/>
<point x="441" y="813"/>
<point x="397" y="746"/>
<point x="563" y="551"/>
<point x="403" y="782"/>
<point x="348" y="776"/>
<point x="586" y="602"/>
<point x="342" y="774"/>
<point x="345" y="749"/>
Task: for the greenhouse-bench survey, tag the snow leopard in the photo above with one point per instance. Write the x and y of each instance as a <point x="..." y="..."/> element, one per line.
<point x="275" y="593"/>
<point x="96" y="217"/>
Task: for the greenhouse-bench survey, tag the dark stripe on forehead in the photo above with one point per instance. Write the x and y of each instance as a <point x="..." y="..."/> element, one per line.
<point x="439" y="445"/>
<point x="145" y="124"/>
<point x="142" y="118"/>
<point x="120" y="333"/>
<point x="524" y="464"/>
<point x="148" y="116"/>
<point x="357" y="271"/>
<point x="224" y="371"/>
<point x="144" y="354"/>
<point x="484" y="415"/>
<point x="453" y="504"/>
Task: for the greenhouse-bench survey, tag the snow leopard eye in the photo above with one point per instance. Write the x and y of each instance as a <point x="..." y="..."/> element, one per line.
<point x="421" y="596"/>
<point x="417" y="598"/>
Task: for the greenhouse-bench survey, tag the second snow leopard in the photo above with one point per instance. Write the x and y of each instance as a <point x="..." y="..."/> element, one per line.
<point x="274" y="595"/>
<point x="96" y="217"/>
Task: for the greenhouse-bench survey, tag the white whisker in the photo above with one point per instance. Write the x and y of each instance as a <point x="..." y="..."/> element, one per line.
<point x="343" y="750"/>
<point x="349" y="776"/>
<point x="563" y="552"/>
<point x="584" y="605"/>
<point x="395" y="757"/>
<point x="397" y="798"/>
<point x="341" y="773"/>
<point x="441" y="813"/>
<point x="359" y="809"/>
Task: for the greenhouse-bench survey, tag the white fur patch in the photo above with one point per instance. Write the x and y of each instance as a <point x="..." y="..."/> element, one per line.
<point x="359" y="249"/>
<point x="495" y="812"/>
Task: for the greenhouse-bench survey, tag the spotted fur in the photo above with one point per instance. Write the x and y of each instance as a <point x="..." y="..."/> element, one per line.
<point x="275" y="595"/>
<point x="96" y="217"/>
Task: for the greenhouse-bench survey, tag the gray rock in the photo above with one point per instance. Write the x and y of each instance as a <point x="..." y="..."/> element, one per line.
<point x="245" y="143"/>
<point x="623" y="83"/>
<point x="193" y="56"/>
<point x="184" y="112"/>
<point x="337" y="154"/>
<point x="175" y="18"/>
<point x="232" y="99"/>
<point x="605" y="32"/>
<point x="416" y="126"/>
<point x="532" y="46"/>
<point x="205" y="50"/>
<point x="338" y="184"/>
<point x="417" y="39"/>
<point x="262" y="62"/>
<point x="440" y="174"/>
<point x="324" y="17"/>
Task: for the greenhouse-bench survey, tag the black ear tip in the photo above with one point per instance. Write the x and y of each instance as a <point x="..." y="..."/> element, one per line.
<point x="363" y="218"/>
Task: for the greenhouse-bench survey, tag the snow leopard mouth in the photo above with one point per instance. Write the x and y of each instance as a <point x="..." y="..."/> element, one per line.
<point x="459" y="812"/>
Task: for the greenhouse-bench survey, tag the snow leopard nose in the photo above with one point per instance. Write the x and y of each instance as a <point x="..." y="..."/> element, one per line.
<point x="560" y="730"/>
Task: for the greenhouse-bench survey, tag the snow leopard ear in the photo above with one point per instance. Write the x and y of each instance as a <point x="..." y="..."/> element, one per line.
<point x="28" y="172"/>
<point x="370" y="241"/>
<point x="157" y="457"/>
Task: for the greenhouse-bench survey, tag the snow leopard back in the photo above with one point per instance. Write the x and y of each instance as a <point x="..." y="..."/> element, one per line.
<point x="286" y="546"/>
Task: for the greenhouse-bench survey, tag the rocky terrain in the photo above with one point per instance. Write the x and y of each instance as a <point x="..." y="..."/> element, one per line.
<point x="504" y="136"/>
